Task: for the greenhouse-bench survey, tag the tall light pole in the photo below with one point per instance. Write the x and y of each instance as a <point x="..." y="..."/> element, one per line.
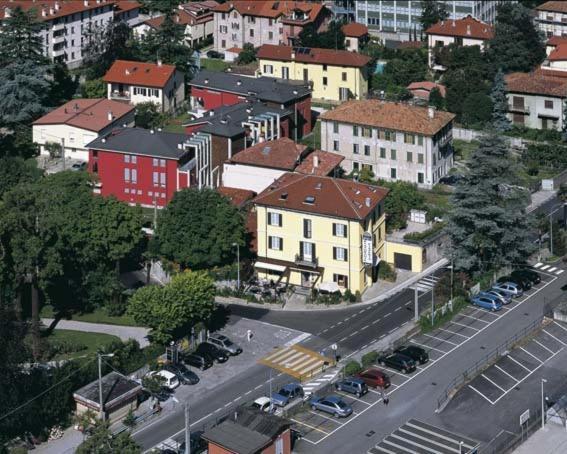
<point x="461" y="447"/>
<point x="238" y="264"/>
<point x="543" y="380"/>
<point x="187" y="426"/>
<point x="100" y="356"/>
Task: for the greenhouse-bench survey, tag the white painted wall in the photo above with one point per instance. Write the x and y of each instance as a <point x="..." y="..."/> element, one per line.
<point x="537" y="111"/>
<point x="249" y="177"/>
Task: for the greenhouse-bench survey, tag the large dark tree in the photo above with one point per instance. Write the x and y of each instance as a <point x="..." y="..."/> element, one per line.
<point x="20" y="40"/>
<point x="500" y="120"/>
<point x="332" y="38"/>
<point x="517" y="44"/>
<point x="198" y="228"/>
<point x="432" y="11"/>
<point x="101" y="441"/>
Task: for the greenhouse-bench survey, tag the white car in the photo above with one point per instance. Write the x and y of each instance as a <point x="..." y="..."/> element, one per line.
<point x="170" y="380"/>
<point x="262" y="403"/>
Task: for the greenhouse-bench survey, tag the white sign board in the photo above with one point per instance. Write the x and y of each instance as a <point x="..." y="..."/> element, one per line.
<point x="367" y="253"/>
<point x="524" y="416"/>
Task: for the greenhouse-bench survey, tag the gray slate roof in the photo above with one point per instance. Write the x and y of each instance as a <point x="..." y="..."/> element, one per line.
<point x="114" y="386"/>
<point x="141" y="141"/>
<point x="267" y="89"/>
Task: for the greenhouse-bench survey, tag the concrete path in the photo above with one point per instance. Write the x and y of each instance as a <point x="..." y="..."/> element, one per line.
<point x="539" y="198"/>
<point x="551" y="440"/>
<point x="123" y="332"/>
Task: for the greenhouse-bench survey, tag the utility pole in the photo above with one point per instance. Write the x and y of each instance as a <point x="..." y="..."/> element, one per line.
<point x="238" y="265"/>
<point x="432" y="305"/>
<point x="187" y="430"/>
<point x="100" y="355"/>
<point x="551" y="233"/>
<point x="416" y="304"/>
<point x="543" y="380"/>
<point x="63" y="151"/>
<point x="451" y="280"/>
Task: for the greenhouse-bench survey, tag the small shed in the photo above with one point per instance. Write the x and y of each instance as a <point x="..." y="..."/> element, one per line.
<point x="119" y="394"/>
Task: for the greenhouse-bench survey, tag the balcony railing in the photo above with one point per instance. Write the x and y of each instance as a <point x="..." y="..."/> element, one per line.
<point x="311" y="262"/>
<point x="120" y="95"/>
<point x="518" y="108"/>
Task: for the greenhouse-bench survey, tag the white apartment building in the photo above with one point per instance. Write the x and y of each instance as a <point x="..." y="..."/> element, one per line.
<point x="395" y="141"/>
<point x="551" y="18"/>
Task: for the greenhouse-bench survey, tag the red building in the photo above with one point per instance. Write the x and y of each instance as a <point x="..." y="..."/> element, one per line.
<point x="143" y="167"/>
<point x="211" y="90"/>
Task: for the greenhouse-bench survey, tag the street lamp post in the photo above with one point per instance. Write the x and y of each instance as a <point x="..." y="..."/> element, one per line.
<point x="187" y="427"/>
<point x="543" y="380"/>
<point x="461" y="447"/>
<point x="100" y="356"/>
<point x="238" y="265"/>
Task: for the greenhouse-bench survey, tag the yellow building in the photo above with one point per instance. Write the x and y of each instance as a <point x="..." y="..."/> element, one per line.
<point x="316" y="230"/>
<point x="337" y="75"/>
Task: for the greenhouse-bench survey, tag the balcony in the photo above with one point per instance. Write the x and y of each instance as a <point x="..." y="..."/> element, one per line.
<point x="309" y="262"/>
<point x="59" y="51"/>
<point x="58" y="27"/>
<point x="518" y="108"/>
<point x="59" y="39"/>
<point x="120" y="95"/>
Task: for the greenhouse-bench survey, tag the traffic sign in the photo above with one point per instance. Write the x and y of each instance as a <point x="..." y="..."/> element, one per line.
<point x="524" y="417"/>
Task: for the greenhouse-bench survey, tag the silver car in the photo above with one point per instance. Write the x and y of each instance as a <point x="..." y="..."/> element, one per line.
<point x="510" y="288"/>
<point x="225" y="343"/>
<point x="503" y="297"/>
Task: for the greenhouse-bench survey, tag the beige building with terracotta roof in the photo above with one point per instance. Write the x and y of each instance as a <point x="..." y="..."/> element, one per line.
<point x="320" y="232"/>
<point x="396" y="141"/>
<point x="551" y="18"/>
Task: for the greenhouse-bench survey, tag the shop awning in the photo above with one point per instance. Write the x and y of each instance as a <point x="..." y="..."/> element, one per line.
<point x="270" y="266"/>
<point x="330" y="287"/>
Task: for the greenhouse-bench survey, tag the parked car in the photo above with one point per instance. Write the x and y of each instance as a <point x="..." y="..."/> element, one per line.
<point x="486" y="303"/>
<point x="352" y="385"/>
<point x="331" y="404"/>
<point x="162" y="395"/>
<point x="219" y="355"/>
<point x="452" y="180"/>
<point x="523" y="282"/>
<point x="501" y="296"/>
<point x="170" y="380"/>
<point x="418" y="354"/>
<point x="79" y="166"/>
<point x="402" y="363"/>
<point x="509" y="287"/>
<point x="531" y="275"/>
<point x="287" y="393"/>
<point x="185" y="376"/>
<point x="225" y="343"/>
<point x="374" y="378"/>
<point x="261" y="403"/>
<point x="214" y="54"/>
<point x="202" y="361"/>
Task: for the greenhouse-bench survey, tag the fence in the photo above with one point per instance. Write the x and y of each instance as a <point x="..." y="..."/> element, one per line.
<point x="468" y="135"/>
<point x="483" y="363"/>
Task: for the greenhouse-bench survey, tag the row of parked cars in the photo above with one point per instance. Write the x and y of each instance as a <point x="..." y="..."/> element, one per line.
<point x="506" y="288"/>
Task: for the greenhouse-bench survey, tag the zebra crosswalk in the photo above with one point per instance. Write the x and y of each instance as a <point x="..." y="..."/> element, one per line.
<point x="425" y="284"/>
<point x="297" y="361"/>
<point x="548" y="268"/>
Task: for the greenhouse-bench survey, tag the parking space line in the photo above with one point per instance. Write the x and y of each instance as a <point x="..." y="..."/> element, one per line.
<point x="562" y="327"/>
<point x="551" y="335"/>
<point x="442" y="340"/>
<point x="462" y="324"/>
<point x="482" y="395"/>
<point x="311" y="427"/>
<point x="533" y="356"/>
<point x="427" y="346"/>
<point x="474" y="318"/>
<point x="325" y="417"/>
<point x="490" y="381"/>
<point x="351" y="397"/>
<point x="543" y="268"/>
<point x="543" y="346"/>
<point x="453" y="332"/>
<point x="392" y="371"/>
<point x="506" y="373"/>
<point x="519" y="363"/>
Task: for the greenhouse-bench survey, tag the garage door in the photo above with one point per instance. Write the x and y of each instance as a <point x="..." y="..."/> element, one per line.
<point x="402" y="261"/>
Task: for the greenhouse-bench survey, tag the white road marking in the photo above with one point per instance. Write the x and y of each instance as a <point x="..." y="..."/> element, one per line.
<point x="551" y="335"/>
<point x="442" y="340"/>
<point x="462" y="324"/>
<point x="482" y="395"/>
<point x="351" y="397"/>
<point x="474" y="318"/>
<point x="559" y="272"/>
<point x="519" y="363"/>
<point x="388" y="314"/>
<point x="543" y="268"/>
<point x="506" y="373"/>
<point x="538" y="264"/>
<point x="551" y="270"/>
<point x="543" y="346"/>
<point x="324" y="416"/>
<point x="453" y="332"/>
<point x="490" y="381"/>
<point x="532" y="355"/>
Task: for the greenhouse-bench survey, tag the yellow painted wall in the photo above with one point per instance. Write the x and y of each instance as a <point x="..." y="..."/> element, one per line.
<point x="356" y="80"/>
<point x="415" y="251"/>
<point x="291" y="231"/>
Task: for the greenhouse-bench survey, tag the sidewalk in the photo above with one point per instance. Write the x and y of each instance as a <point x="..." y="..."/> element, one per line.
<point x="123" y="332"/>
<point x="539" y="198"/>
<point x="550" y="440"/>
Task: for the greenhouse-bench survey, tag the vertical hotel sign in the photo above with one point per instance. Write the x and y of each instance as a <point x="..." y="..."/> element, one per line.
<point x="367" y="252"/>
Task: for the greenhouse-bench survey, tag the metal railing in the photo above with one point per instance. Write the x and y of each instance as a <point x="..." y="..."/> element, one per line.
<point x="485" y="362"/>
<point x="518" y="108"/>
<point x="312" y="262"/>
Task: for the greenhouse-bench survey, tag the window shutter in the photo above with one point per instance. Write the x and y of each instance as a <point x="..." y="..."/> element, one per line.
<point x="305" y="232"/>
<point x="270" y="242"/>
<point x="281" y="244"/>
<point x="334" y="253"/>
<point x="313" y="254"/>
<point x="334" y="229"/>
<point x="301" y="249"/>
<point x="279" y="219"/>
<point x="346" y="254"/>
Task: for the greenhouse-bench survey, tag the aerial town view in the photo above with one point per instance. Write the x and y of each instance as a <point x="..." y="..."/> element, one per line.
<point x="283" y="226"/>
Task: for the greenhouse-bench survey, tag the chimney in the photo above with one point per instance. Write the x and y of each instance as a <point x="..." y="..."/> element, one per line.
<point x="211" y="112"/>
<point x="293" y="55"/>
<point x="367" y="201"/>
<point x="109" y="115"/>
<point x="453" y="24"/>
<point x="51" y="11"/>
<point x="43" y="12"/>
<point x="468" y="29"/>
<point x="238" y="82"/>
<point x="86" y="2"/>
<point x="127" y="71"/>
<point x="104" y="140"/>
<point x="315" y="161"/>
<point x="7" y="12"/>
<point x="206" y="81"/>
<point x="57" y="6"/>
<point x="431" y="112"/>
<point x="180" y="146"/>
<point x="159" y="62"/>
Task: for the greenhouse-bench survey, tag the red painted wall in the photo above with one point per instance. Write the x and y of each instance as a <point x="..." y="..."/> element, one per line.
<point x="190" y="129"/>
<point x="271" y="449"/>
<point x="213" y="99"/>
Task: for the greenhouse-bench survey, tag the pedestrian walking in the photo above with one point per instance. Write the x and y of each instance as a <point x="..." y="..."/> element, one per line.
<point x="386" y="400"/>
<point x="249" y="335"/>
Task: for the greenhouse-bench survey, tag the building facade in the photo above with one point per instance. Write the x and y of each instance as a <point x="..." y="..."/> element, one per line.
<point x="137" y="82"/>
<point x="335" y="75"/>
<point x="77" y="123"/>
<point x="265" y="22"/>
<point x="356" y="35"/>
<point x="395" y="141"/>
<point x="315" y="230"/>
<point x="551" y="18"/>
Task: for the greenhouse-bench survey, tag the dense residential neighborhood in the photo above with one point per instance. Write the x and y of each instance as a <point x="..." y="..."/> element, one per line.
<point x="279" y="226"/>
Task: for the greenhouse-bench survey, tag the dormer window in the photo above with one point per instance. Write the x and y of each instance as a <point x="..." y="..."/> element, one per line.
<point x="310" y="200"/>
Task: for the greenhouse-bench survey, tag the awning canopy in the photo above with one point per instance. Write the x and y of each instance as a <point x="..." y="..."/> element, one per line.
<point x="270" y="266"/>
<point x="330" y="287"/>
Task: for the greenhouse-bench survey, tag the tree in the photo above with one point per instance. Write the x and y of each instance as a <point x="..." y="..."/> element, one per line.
<point x="63" y="85"/>
<point x="477" y="110"/>
<point x="95" y="88"/>
<point x="20" y="40"/>
<point x="517" y="44"/>
<point x="153" y="383"/>
<point x="211" y="225"/>
<point x="149" y="115"/>
<point x="15" y="170"/>
<point x="432" y="11"/>
<point x="130" y="419"/>
<point x="103" y="442"/>
<point x="403" y="197"/>
<point x="436" y="99"/>
<point x="247" y="55"/>
<point x="488" y="225"/>
<point x="500" y="121"/>
<point x="332" y="38"/>
<point x="170" y="310"/>
<point x="366" y="176"/>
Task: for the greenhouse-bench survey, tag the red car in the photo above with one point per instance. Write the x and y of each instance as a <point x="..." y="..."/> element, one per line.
<point x="374" y="378"/>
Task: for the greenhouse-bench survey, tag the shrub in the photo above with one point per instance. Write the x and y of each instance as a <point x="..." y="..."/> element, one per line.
<point x="369" y="358"/>
<point x="352" y="368"/>
<point x="64" y="347"/>
<point x="116" y="306"/>
<point x="357" y="296"/>
<point x="349" y="296"/>
<point x="130" y="419"/>
<point x="419" y="236"/>
<point x="386" y="272"/>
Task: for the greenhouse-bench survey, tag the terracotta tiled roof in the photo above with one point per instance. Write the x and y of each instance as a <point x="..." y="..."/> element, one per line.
<point x="426" y="87"/>
<point x="238" y="197"/>
<point x="281" y="154"/>
<point x="181" y="17"/>
<point x="314" y="55"/>
<point x="537" y="83"/>
<point x="321" y="163"/>
<point x="559" y="53"/>
<point x="139" y="73"/>
<point x="126" y="5"/>
<point x="354" y="30"/>
<point x="270" y="8"/>
<point x="410" y="45"/>
<point x="89" y="114"/>
<point x="66" y="7"/>
<point x="468" y="27"/>
<point x="235" y="50"/>
<point x="389" y="115"/>
<point x="555" y="6"/>
<point x="329" y="196"/>
<point x="556" y="40"/>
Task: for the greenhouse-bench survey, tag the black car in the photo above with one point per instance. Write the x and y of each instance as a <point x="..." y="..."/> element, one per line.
<point x="218" y="354"/>
<point x="397" y="361"/>
<point x="185" y="376"/>
<point x="418" y="354"/>
<point x="214" y="54"/>
<point x="200" y="360"/>
<point x="451" y="180"/>
<point x="523" y="282"/>
<point x="162" y="395"/>
<point x="531" y="275"/>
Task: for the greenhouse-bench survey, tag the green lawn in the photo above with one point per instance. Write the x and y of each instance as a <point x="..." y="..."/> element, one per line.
<point x="92" y="341"/>
<point x="313" y="140"/>
<point x="175" y="124"/>
<point x="214" y="64"/>
<point x="97" y="316"/>
<point x="463" y="149"/>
